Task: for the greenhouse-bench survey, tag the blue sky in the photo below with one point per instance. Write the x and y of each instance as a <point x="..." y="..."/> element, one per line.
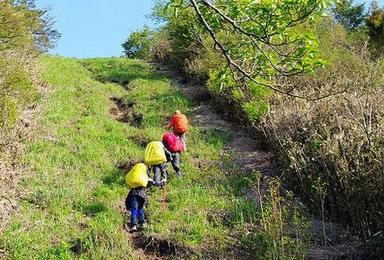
<point x="96" y="28"/>
<point x="367" y="3"/>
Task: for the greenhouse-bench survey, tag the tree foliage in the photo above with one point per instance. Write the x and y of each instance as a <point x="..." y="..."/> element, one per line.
<point x="349" y="14"/>
<point x="22" y="24"/>
<point x="260" y="41"/>
<point x="25" y="32"/>
<point x="375" y="26"/>
<point x="138" y="44"/>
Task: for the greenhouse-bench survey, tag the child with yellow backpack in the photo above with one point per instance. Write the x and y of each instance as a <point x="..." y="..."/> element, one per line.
<point x="156" y="156"/>
<point x="137" y="180"/>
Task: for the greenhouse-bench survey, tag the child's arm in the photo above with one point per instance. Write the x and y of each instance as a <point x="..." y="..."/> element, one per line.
<point x="168" y="153"/>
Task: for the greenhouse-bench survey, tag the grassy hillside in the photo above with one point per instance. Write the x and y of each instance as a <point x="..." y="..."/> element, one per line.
<point x="74" y="208"/>
<point x="69" y="204"/>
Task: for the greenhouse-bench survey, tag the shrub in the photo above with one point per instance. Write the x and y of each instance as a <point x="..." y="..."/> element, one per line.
<point x="25" y="32"/>
<point x="138" y="44"/>
<point x="375" y="26"/>
<point x="336" y="142"/>
<point x="161" y="48"/>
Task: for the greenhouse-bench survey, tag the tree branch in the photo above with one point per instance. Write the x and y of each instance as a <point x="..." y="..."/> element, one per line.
<point x="230" y="61"/>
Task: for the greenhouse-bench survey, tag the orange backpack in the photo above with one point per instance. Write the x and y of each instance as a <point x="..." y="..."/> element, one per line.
<point x="179" y="123"/>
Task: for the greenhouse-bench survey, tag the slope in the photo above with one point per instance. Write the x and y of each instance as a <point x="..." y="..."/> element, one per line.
<point x="95" y="125"/>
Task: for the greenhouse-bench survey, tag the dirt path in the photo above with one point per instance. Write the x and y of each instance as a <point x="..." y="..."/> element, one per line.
<point x="249" y="154"/>
<point x="251" y="157"/>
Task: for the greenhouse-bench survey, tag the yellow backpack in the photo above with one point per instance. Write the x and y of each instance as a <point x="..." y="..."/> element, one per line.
<point x="154" y="153"/>
<point x="137" y="176"/>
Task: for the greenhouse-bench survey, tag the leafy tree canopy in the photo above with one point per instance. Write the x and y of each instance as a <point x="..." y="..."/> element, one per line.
<point x="22" y="24"/>
<point x="138" y="44"/>
<point x="260" y="40"/>
<point x="375" y="26"/>
<point x="349" y="14"/>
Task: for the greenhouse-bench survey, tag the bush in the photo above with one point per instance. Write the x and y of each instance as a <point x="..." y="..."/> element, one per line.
<point x="25" y="32"/>
<point x="16" y="88"/>
<point x="161" y="48"/>
<point x="333" y="148"/>
<point x="138" y="44"/>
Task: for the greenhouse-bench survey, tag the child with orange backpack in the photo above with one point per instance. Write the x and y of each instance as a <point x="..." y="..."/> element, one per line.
<point x="180" y="124"/>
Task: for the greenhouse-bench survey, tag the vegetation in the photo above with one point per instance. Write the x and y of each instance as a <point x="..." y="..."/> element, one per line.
<point x="354" y="17"/>
<point x="304" y="76"/>
<point x="332" y="146"/>
<point x="138" y="44"/>
<point x="330" y="140"/>
<point x="77" y="146"/>
<point x="78" y="191"/>
<point x="349" y="14"/>
<point x="25" y="31"/>
<point x="375" y="26"/>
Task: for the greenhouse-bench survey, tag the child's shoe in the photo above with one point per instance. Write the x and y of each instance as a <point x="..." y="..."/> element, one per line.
<point x="133" y="228"/>
<point x="143" y="225"/>
<point x="163" y="183"/>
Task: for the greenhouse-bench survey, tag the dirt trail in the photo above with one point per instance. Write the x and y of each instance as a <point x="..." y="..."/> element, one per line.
<point x="249" y="154"/>
<point x="251" y="157"/>
<point x="151" y="247"/>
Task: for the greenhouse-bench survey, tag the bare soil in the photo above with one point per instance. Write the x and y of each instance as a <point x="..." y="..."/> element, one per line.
<point x="123" y="112"/>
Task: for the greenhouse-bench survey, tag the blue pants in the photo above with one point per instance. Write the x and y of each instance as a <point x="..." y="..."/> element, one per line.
<point x="136" y="204"/>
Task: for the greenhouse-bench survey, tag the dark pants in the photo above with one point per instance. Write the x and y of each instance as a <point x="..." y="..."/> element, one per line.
<point x="176" y="163"/>
<point x="136" y="205"/>
<point x="159" y="173"/>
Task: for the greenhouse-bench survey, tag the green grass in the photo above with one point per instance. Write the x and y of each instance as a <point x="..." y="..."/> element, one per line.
<point x="74" y="205"/>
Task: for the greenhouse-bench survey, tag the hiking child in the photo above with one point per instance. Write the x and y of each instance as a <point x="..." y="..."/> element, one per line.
<point x="160" y="174"/>
<point x="137" y="180"/>
<point x="175" y="146"/>
<point x="180" y="124"/>
<point x="156" y="155"/>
